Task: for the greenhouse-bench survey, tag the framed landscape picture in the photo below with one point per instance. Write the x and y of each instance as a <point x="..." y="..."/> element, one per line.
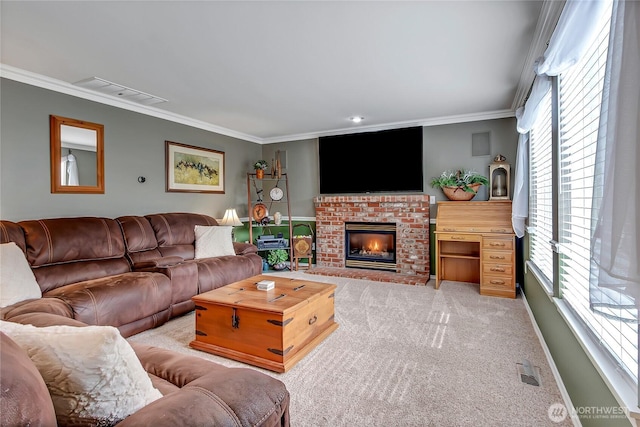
<point x="193" y="169"/>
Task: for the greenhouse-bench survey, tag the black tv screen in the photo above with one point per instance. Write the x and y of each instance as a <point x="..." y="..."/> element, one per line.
<point x="387" y="161"/>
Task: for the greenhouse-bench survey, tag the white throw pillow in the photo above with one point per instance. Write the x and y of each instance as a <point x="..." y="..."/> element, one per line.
<point x="92" y="372"/>
<point x="213" y="241"/>
<point x="17" y="282"/>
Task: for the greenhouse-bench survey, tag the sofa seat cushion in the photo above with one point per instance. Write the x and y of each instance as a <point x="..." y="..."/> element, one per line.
<point x="93" y="375"/>
<point x="117" y="300"/>
<point x="24" y="397"/>
<point x="220" y="271"/>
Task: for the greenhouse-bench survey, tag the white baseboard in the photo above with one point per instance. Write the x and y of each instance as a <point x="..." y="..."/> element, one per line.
<point x="554" y="369"/>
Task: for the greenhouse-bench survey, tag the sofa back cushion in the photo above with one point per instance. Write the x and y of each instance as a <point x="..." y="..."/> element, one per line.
<point x="139" y="238"/>
<point x="175" y="232"/>
<point x="69" y="250"/>
<point x="12" y="232"/>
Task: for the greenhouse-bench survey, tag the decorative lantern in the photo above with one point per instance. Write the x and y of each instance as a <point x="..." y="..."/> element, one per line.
<point x="499" y="179"/>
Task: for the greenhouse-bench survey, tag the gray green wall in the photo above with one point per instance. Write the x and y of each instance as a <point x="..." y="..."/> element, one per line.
<point x="449" y="147"/>
<point x="583" y="383"/>
<point x="302" y="170"/>
<point x="134" y="146"/>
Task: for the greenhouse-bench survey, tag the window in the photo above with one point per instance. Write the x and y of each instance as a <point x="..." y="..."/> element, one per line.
<point x="577" y="114"/>
<point x="580" y="95"/>
<point x="540" y="192"/>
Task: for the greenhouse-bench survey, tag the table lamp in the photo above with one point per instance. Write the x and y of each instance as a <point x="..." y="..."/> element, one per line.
<point x="231" y="218"/>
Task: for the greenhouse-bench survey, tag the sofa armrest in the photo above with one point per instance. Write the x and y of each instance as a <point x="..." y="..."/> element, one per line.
<point x="176" y="368"/>
<point x="244" y="248"/>
<point x="157" y="262"/>
<point x="24" y="397"/>
<point x="210" y="394"/>
<point x="46" y="304"/>
<point x="184" y="283"/>
<point x="42" y="320"/>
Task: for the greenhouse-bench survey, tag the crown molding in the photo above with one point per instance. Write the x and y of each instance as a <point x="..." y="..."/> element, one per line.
<point x="33" y="79"/>
<point x="445" y="120"/>
<point x="38" y="80"/>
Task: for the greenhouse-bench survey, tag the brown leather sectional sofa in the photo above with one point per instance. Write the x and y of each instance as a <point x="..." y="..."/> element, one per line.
<point x="136" y="273"/>
<point x="196" y="392"/>
<point x="132" y="272"/>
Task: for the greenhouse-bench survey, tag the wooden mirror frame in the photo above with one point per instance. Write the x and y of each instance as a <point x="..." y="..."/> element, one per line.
<point x="55" y="123"/>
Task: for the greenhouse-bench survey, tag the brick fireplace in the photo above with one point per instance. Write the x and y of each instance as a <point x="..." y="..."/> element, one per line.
<point x="409" y="213"/>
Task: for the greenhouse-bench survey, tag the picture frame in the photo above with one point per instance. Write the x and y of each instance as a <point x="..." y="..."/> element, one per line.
<point x="191" y="169"/>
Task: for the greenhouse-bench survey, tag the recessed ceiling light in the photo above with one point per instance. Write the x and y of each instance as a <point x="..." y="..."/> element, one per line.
<point x="356" y="119"/>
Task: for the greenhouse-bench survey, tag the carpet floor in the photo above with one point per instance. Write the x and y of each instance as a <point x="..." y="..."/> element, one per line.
<point x="409" y="356"/>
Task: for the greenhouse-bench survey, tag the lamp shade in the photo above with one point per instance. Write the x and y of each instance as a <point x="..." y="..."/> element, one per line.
<point x="230" y="218"/>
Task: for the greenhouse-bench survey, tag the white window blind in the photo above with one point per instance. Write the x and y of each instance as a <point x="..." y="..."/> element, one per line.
<point x="540" y="194"/>
<point x="580" y="95"/>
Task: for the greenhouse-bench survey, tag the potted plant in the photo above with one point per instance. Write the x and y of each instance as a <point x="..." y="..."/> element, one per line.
<point x="276" y="259"/>
<point x="260" y="166"/>
<point x="459" y="184"/>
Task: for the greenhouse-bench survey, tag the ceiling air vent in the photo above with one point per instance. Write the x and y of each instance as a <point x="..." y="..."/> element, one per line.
<point x="120" y="91"/>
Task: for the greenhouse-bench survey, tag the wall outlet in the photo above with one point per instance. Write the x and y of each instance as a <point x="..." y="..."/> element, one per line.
<point x="432" y="200"/>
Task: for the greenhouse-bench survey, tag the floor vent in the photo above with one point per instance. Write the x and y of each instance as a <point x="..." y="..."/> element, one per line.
<point x="528" y="373"/>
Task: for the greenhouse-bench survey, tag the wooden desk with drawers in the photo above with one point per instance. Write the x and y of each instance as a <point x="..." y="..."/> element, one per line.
<point x="475" y="243"/>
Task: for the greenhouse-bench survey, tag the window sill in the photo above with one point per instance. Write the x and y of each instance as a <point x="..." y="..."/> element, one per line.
<point x="542" y="279"/>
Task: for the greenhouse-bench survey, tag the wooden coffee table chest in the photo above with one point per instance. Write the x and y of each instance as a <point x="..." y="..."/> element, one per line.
<point x="271" y="329"/>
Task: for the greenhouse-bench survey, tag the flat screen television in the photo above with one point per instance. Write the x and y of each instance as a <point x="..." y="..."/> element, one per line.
<point x="388" y="161"/>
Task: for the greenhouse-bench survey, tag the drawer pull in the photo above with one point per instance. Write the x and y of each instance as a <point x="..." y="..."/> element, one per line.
<point x="497" y="282"/>
<point x="458" y="238"/>
<point x="498" y="230"/>
<point x="497" y="269"/>
<point x="497" y="244"/>
<point x="496" y="256"/>
<point x="313" y="320"/>
<point x="448" y="229"/>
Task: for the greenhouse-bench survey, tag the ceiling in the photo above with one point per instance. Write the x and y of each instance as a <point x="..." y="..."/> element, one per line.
<point x="270" y="71"/>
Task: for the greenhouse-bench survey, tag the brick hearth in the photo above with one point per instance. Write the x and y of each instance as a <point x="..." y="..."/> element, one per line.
<point x="410" y="213"/>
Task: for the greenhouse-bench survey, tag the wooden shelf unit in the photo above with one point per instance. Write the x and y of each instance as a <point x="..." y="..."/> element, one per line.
<point x="265" y="184"/>
<point x="475" y="243"/>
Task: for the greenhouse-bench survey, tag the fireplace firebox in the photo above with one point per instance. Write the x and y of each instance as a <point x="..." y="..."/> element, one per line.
<point x="370" y="245"/>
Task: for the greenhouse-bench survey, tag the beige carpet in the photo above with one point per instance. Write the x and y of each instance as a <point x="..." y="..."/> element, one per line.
<point x="409" y="356"/>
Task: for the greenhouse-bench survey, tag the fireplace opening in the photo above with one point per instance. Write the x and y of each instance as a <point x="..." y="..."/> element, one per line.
<point x="370" y="245"/>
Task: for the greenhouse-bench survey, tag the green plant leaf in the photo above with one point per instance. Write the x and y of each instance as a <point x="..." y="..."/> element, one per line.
<point x="277" y="256"/>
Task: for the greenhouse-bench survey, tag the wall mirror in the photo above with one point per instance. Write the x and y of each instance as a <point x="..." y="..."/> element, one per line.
<point x="77" y="156"/>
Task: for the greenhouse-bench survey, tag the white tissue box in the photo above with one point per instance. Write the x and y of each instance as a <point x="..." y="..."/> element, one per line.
<point x="265" y="285"/>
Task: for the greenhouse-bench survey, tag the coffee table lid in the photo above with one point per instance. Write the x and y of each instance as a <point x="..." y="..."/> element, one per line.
<point x="288" y="294"/>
